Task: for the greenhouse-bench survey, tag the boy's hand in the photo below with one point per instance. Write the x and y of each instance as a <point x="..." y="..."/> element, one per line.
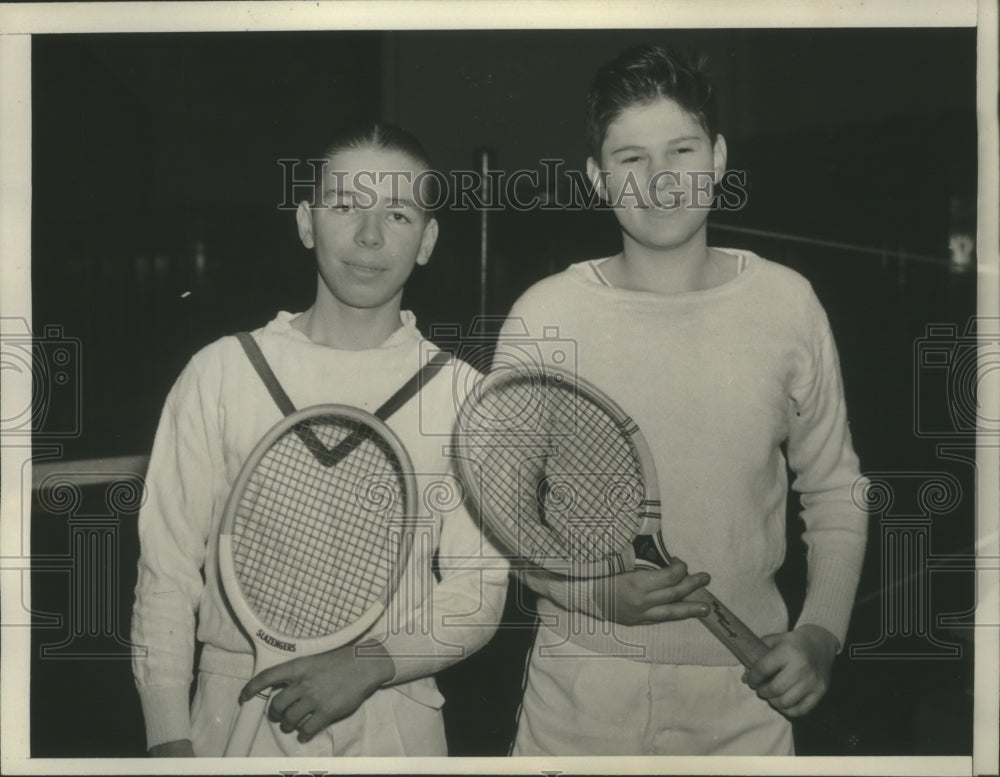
<point x="795" y="674"/>
<point x="177" y="748"/>
<point x="646" y="596"/>
<point x="319" y="690"/>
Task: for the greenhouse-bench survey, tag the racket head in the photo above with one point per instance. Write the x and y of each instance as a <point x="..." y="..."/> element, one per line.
<point x="315" y="537"/>
<point x="561" y="475"/>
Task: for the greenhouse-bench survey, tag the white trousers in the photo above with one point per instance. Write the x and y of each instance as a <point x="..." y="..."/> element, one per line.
<point x="388" y="723"/>
<point x="577" y="702"/>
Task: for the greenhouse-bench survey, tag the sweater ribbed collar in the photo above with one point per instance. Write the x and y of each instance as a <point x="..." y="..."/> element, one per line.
<point x="405" y="335"/>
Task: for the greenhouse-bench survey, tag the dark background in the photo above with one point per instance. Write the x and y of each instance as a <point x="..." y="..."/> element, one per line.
<point x="156" y="229"/>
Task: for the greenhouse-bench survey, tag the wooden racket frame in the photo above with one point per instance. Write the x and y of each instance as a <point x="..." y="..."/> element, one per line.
<point x="647" y="549"/>
<point x="272" y="647"/>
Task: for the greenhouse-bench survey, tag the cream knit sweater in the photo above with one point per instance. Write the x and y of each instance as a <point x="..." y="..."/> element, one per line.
<point x="718" y="380"/>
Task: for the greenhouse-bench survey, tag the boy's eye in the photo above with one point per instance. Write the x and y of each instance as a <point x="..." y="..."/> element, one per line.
<point x="399" y="217"/>
<point x="631" y="159"/>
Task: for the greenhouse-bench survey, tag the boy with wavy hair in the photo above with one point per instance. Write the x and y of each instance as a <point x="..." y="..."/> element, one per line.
<point x="722" y="358"/>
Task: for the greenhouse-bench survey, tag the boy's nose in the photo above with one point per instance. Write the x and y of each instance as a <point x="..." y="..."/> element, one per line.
<point x="667" y="179"/>
<point x="667" y="188"/>
<point x="369" y="233"/>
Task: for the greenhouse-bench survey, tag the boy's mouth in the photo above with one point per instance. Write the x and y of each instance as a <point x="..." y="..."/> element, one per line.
<point x="366" y="270"/>
<point x="664" y="203"/>
<point x="665" y="209"/>
<point x="668" y="202"/>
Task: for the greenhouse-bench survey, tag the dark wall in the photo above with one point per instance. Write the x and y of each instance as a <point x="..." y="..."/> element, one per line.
<point x="856" y="135"/>
<point x="156" y="225"/>
<point x="522" y="91"/>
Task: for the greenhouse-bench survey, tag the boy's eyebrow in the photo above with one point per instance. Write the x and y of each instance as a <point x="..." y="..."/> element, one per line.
<point x="345" y="192"/>
<point x="394" y="202"/>
<point x="672" y="141"/>
<point x="628" y="148"/>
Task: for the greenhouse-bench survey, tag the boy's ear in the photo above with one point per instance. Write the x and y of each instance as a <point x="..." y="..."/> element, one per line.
<point x="428" y="240"/>
<point x="303" y="217"/>
<point x="598" y="178"/>
<point x="719" y="157"/>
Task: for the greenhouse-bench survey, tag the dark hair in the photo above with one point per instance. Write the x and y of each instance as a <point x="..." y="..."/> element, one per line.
<point x="641" y="75"/>
<point x="383" y="135"/>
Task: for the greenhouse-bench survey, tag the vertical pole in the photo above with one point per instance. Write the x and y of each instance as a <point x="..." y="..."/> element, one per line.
<point x="484" y="194"/>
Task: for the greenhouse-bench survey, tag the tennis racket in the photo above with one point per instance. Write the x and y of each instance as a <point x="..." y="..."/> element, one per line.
<point x="314" y="538"/>
<point x="565" y="480"/>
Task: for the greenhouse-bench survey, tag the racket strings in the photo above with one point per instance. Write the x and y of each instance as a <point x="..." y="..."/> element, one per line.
<point x="558" y="471"/>
<point x="314" y="543"/>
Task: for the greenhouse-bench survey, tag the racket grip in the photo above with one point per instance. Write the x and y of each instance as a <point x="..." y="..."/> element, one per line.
<point x="248" y="721"/>
<point x="728" y="629"/>
<point x="742" y="642"/>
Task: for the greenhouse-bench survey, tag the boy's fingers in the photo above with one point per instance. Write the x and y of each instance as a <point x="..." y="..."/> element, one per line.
<point x="305" y="733"/>
<point x="803" y="707"/>
<point x="674" y="612"/>
<point x="252" y="688"/>
<point x="678" y="591"/>
<point x="652" y="579"/>
<point x="269" y="678"/>
<point x="672" y="574"/>
<point x="767" y="665"/>
<point x="779" y="685"/>
<point x="294" y="715"/>
<point x="281" y="701"/>
<point x="790" y="699"/>
<point x="312" y="726"/>
<point x="694" y="582"/>
<point x="277" y="705"/>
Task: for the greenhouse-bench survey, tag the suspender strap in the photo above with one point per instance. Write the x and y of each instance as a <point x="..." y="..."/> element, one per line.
<point x="390" y="406"/>
<point x="266" y="374"/>
<point x="408" y="389"/>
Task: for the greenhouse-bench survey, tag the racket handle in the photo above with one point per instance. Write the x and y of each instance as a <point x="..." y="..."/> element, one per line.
<point x="728" y="629"/>
<point x="248" y="721"/>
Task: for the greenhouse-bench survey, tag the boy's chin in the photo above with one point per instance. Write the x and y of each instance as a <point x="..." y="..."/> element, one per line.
<point x="365" y="299"/>
<point x="664" y="233"/>
<point x="662" y="242"/>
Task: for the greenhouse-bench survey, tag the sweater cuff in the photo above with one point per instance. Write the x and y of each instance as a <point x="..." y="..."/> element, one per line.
<point x="167" y="714"/>
<point x="592" y="596"/>
<point x="830" y="597"/>
<point x="413" y="656"/>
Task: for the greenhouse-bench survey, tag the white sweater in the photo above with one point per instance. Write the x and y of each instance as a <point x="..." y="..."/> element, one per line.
<point x="717" y="380"/>
<point x="214" y="415"/>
